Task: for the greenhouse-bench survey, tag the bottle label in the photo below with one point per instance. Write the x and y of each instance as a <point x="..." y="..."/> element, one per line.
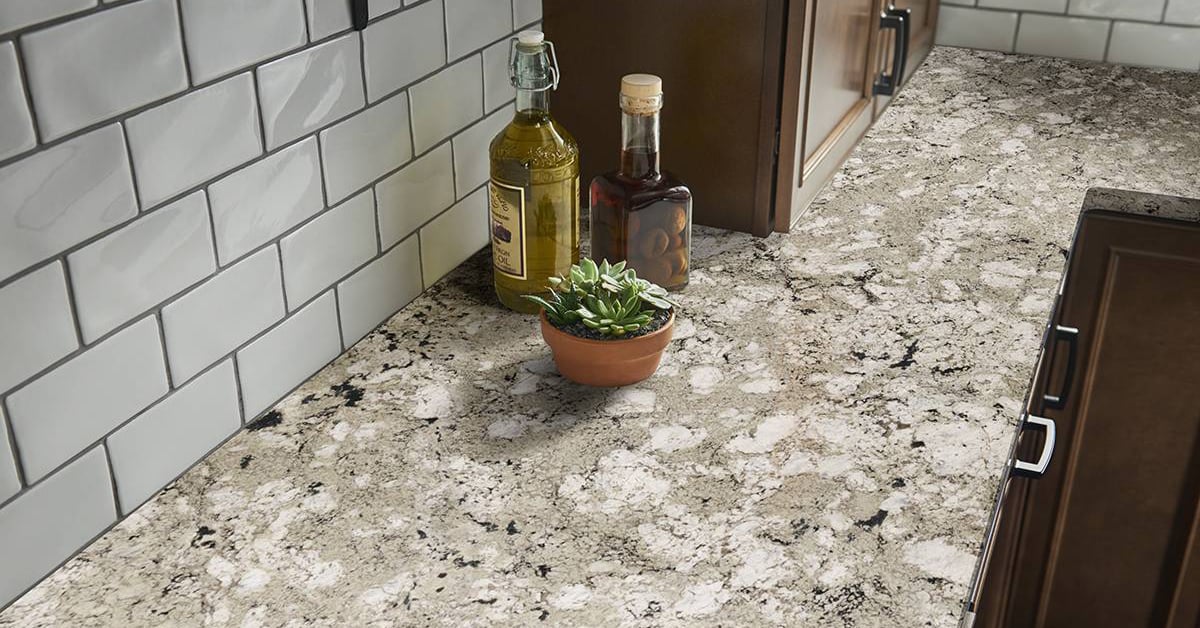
<point x="506" y="204"/>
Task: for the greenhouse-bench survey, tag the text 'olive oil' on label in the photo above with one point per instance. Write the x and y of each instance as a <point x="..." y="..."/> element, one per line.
<point x="507" y="208"/>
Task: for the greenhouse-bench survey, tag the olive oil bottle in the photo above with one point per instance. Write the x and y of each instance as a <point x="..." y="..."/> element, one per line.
<point x="533" y="195"/>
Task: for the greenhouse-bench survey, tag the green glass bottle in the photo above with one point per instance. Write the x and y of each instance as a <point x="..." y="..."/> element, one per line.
<point x="533" y="195"/>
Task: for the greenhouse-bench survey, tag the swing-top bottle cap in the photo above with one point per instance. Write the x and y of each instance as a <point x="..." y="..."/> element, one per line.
<point x="531" y="38"/>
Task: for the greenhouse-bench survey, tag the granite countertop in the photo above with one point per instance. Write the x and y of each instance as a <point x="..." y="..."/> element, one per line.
<point x="820" y="447"/>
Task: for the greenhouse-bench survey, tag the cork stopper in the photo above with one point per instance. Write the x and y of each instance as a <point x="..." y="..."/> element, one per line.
<point x="641" y="94"/>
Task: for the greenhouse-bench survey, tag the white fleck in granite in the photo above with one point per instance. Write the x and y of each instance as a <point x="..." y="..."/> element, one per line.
<point x="821" y="446"/>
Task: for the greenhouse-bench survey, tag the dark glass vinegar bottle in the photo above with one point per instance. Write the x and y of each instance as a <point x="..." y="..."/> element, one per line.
<point x="639" y="212"/>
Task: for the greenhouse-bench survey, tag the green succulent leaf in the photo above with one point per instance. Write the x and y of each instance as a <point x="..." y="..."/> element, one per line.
<point x="606" y="297"/>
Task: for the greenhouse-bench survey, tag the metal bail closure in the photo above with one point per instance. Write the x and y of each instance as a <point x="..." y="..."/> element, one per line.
<point x="532" y="38"/>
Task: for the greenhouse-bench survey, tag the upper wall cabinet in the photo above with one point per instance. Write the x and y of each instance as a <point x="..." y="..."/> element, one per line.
<point x="763" y="98"/>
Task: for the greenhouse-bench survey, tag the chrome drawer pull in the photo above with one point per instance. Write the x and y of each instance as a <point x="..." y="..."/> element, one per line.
<point x="1037" y="469"/>
<point x="1071" y="335"/>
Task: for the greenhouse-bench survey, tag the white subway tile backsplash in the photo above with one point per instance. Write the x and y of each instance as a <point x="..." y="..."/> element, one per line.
<point x="326" y="17"/>
<point x="976" y="28"/>
<point x="154" y="448"/>
<point x="403" y="48"/>
<point x="285" y="356"/>
<point x="16" y="14"/>
<point x="92" y="68"/>
<point x="446" y="102"/>
<point x="1183" y="12"/>
<point x="62" y="196"/>
<point x="471" y="162"/>
<point x="309" y="89"/>
<point x="1155" y="45"/>
<point x="36" y="327"/>
<point x="471" y="25"/>
<point x="10" y="484"/>
<point x="67" y="409"/>
<point x="225" y="35"/>
<point x="157" y="256"/>
<point x="1045" y="6"/>
<point x="418" y="192"/>
<point x="1058" y="36"/>
<point x="328" y="248"/>
<point x="1150" y="10"/>
<point x="365" y="147"/>
<point x="47" y="524"/>
<point x="260" y="202"/>
<point x="379" y="290"/>
<point x="497" y="87"/>
<point x="377" y="8"/>
<point x="194" y="138"/>
<point x="223" y="313"/>
<point x="526" y="12"/>
<point x="454" y="236"/>
<point x="16" y="127"/>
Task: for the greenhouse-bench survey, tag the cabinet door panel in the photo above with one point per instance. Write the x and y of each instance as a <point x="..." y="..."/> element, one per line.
<point x="842" y="31"/>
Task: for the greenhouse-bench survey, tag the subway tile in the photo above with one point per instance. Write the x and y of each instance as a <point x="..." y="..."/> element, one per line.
<point x="161" y="443"/>
<point x="16" y="14"/>
<point x="16" y="127"/>
<point x="365" y="147"/>
<point x="127" y="272"/>
<point x="288" y="354"/>
<point x="965" y="3"/>
<point x="225" y="35"/>
<point x="10" y="484"/>
<point x="403" y="48"/>
<point x="194" y="138"/>
<point x="446" y="102"/>
<point x="326" y="17"/>
<point x="526" y="12"/>
<point x="497" y="86"/>
<point x="382" y="7"/>
<point x="471" y="25"/>
<point x="106" y="63"/>
<point x="1057" y="36"/>
<point x="975" y="28"/>
<point x="1183" y="12"/>
<point x="53" y="520"/>
<point x="1155" y="45"/>
<point x="1150" y="10"/>
<point x="36" y="328"/>
<point x="1044" y="6"/>
<point x="471" y="161"/>
<point x="223" y="313"/>
<point x="261" y="201"/>
<point x="454" y="236"/>
<point x="418" y="192"/>
<point x="66" y="410"/>
<point x="309" y="89"/>
<point x="380" y="289"/>
<point x="59" y="197"/>
<point x="328" y="248"/>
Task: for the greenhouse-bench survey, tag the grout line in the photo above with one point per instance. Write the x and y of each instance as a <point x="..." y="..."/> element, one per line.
<point x="133" y="175"/>
<point x="287" y="306"/>
<point x="258" y="111"/>
<point x="337" y="313"/>
<point x="237" y="385"/>
<point x="112" y="476"/>
<point x="23" y="76"/>
<point x="362" y="65"/>
<point x="1016" y="32"/>
<point x="6" y="419"/>
<point x="162" y="342"/>
<point x="1112" y="27"/>
<point x="187" y="60"/>
<point x="72" y="305"/>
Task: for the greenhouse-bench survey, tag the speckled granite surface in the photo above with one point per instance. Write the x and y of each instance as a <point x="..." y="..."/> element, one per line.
<point x="820" y="447"/>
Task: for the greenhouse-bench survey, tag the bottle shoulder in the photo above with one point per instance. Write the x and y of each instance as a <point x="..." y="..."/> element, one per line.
<point x="535" y="143"/>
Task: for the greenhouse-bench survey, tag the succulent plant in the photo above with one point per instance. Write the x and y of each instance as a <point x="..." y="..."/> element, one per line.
<point x="608" y="298"/>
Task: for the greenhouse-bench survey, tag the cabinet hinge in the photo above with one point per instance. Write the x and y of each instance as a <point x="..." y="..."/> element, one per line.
<point x="777" y="141"/>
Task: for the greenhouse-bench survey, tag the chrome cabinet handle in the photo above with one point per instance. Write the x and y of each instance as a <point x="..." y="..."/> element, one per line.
<point x="1037" y="469"/>
<point x="1071" y="336"/>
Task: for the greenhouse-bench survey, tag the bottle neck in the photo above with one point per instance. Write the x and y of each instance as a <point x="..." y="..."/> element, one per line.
<point x="639" y="145"/>
<point x="533" y="104"/>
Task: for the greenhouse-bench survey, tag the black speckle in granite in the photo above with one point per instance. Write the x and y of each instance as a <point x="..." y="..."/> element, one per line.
<point x="351" y="393"/>
<point x="899" y="483"/>
<point x="873" y="520"/>
<point x="917" y="444"/>
<point x="200" y="541"/>
<point x="269" y="419"/>
<point x="245" y="462"/>
<point x="542" y="570"/>
<point x="907" y="360"/>
<point x="511" y="528"/>
<point x="315" y="487"/>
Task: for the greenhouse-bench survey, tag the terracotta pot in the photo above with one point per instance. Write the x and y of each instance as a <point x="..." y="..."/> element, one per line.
<point x="607" y="362"/>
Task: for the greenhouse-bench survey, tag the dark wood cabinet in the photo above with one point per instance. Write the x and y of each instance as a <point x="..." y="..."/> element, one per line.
<point x="1110" y="534"/>
<point x="764" y="99"/>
